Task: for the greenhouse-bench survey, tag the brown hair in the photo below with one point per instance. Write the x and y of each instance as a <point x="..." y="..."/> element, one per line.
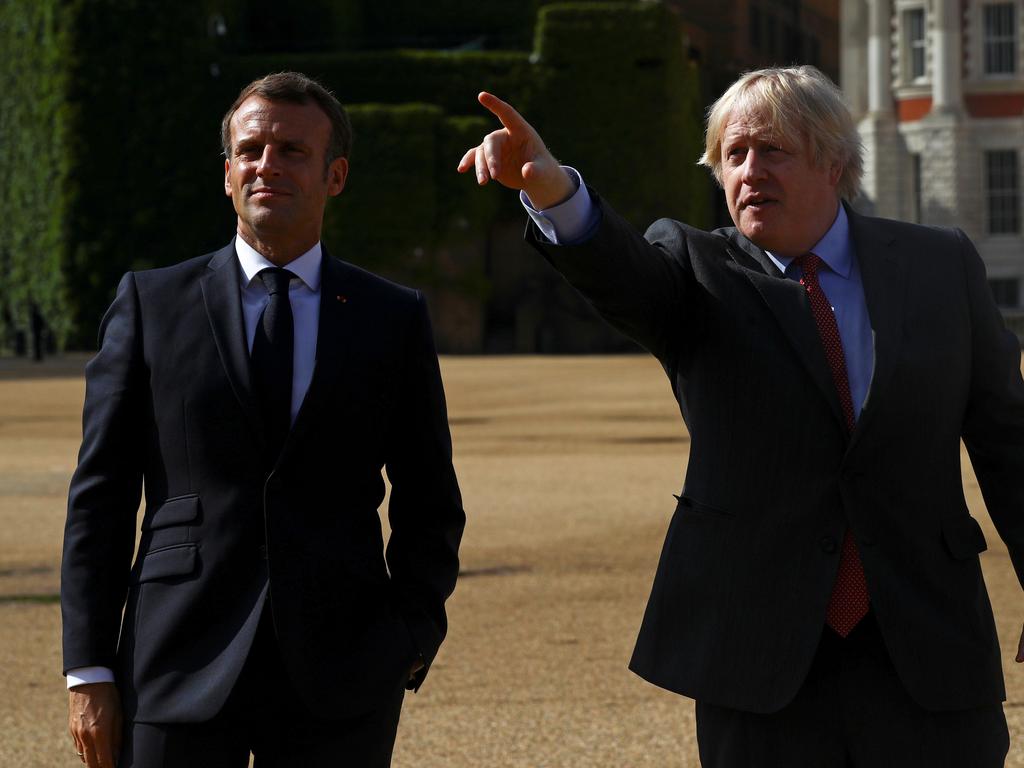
<point x="799" y="105"/>
<point x="296" y="88"/>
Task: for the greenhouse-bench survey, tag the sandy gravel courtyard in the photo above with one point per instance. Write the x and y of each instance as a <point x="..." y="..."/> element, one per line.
<point x="567" y="466"/>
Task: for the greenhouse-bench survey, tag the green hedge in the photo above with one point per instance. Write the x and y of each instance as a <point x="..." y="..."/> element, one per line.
<point x="450" y="80"/>
<point x="403" y="198"/>
<point x="105" y="166"/>
<point x="255" y="26"/>
<point x="110" y="156"/>
<point x="34" y="196"/>
<point x="623" y="105"/>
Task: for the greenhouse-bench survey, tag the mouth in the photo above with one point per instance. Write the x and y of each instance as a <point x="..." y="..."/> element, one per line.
<point x="757" y="203"/>
<point x="267" y="192"/>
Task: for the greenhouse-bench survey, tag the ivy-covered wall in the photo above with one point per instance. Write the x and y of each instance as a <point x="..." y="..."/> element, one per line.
<point x="110" y="156"/>
<point x="34" y="196"/>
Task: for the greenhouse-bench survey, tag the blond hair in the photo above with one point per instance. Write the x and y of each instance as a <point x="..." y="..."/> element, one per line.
<point x="796" y="105"/>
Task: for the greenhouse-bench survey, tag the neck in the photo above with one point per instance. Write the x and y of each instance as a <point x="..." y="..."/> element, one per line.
<point x="279" y="251"/>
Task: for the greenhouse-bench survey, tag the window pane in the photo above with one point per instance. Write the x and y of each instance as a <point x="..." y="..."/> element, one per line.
<point x="1002" y="182"/>
<point x="913" y="21"/>
<point x="1000" y="41"/>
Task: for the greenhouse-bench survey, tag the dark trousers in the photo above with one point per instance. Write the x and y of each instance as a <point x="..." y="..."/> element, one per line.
<point x="265" y="716"/>
<point x="852" y="712"/>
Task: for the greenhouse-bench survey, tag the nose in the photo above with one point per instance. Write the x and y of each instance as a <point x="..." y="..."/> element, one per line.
<point x="267" y="165"/>
<point x="753" y="166"/>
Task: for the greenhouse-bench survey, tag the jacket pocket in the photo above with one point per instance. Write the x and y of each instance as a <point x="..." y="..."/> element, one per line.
<point x="168" y="562"/>
<point x="689" y="506"/>
<point x="180" y="510"/>
<point x="963" y="536"/>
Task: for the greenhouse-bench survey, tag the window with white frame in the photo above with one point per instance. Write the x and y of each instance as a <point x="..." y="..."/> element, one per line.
<point x="999" y="27"/>
<point x="1002" y="188"/>
<point x="914" y="44"/>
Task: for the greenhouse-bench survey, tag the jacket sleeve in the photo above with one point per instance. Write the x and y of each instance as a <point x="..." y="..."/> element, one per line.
<point x="425" y="507"/>
<point x="643" y="286"/>
<point x="993" y="429"/>
<point x="99" y="534"/>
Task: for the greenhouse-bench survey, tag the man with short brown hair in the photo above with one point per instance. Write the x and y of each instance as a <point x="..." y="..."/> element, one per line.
<point x="257" y="393"/>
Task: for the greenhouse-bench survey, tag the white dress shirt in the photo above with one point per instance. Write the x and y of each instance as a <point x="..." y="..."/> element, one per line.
<point x="304" y="296"/>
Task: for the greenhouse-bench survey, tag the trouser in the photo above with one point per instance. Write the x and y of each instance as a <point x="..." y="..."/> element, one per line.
<point x="852" y="711"/>
<point x="265" y="716"/>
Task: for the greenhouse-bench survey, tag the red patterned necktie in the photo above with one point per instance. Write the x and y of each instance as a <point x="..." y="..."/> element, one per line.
<point x="849" y="601"/>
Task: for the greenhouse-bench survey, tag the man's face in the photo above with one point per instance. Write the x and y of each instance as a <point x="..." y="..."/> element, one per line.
<point x="274" y="173"/>
<point x="777" y="197"/>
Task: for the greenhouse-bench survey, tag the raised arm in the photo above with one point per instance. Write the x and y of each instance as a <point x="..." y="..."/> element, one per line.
<point x="641" y="284"/>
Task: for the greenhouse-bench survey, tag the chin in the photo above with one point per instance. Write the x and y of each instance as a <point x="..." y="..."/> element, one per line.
<point x="758" y="233"/>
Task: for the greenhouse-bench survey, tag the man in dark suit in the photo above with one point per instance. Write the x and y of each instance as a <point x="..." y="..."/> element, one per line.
<point x="819" y="592"/>
<point x="257" y="393"/>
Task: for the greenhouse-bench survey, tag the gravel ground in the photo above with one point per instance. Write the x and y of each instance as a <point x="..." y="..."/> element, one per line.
<point x="567" y="467"/>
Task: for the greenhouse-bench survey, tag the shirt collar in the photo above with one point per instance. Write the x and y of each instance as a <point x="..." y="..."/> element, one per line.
<point x="306" y="267"/>
<point x="834" y="248"/>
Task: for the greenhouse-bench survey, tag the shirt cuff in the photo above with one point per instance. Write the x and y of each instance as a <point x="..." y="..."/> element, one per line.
<point x="572" y="221"/>
<point x="86" y="675"/>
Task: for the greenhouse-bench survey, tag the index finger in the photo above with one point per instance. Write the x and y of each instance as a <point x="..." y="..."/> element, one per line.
<point x="504" y="111"/>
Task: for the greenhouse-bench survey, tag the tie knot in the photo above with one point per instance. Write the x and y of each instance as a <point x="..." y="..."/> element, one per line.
<point x="275" y="279"/>
<point x="809" y="264"/>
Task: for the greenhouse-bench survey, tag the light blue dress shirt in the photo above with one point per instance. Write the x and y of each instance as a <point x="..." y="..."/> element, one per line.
<point x="576" y="220"/>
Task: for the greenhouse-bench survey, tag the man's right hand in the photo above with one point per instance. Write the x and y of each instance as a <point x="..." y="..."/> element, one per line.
<point x="516" y="157"/>
<point x="94" y="719"/>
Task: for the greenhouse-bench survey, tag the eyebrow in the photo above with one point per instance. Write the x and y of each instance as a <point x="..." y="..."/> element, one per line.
<point x="254" y="141"/>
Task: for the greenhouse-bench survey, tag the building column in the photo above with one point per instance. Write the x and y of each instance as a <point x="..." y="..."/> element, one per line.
<point x="882" y="149"/>
<point x="879" y="57"/>
<point x="853" y="55"/>
<point x="947" y="58"/>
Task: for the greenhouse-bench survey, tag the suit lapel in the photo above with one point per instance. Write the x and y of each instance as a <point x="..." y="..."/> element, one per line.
<point x="334" y="335"/>
<point x="884" y="275"/>
<point x="788" y="302"/>
<point x="222" y="296"/>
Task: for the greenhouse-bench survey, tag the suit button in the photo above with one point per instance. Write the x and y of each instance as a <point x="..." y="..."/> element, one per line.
<point x="828" y="545"/>
<point x="262" y="549"/>
<point x="274" y="484"/>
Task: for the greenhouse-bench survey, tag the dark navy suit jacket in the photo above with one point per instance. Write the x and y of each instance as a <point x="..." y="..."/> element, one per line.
<point x="170" y="407"/>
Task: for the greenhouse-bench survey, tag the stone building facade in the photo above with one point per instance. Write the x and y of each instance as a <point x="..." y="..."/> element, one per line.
<point x="937" y="87"/>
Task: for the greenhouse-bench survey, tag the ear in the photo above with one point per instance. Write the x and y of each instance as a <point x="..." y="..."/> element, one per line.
<point x="227" y="179"/>
<point x="835" y="172"/>
<point x="337" y="172"/>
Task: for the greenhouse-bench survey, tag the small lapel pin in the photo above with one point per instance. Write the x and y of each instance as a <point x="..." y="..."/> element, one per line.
<point x="343" y="299"/>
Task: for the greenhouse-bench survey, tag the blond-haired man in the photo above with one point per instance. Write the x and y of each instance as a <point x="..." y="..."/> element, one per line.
<point x="819" y="593"/>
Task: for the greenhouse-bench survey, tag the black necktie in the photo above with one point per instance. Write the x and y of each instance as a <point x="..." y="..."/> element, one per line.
<point x="272" y="360"/>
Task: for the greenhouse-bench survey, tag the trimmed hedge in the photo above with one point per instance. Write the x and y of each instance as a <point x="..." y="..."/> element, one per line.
<point x="256" y="26"/>
<point x="403" y="199"/>
<point x="35" y="119"/>
<point x="623" y="105"/>
<point x="450" y="80"/>
<point x="110" y="156"/>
